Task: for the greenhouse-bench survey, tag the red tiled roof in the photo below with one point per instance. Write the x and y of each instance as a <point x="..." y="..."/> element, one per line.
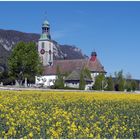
<point x="95" y="66"/>
<point x="70" y="65"/>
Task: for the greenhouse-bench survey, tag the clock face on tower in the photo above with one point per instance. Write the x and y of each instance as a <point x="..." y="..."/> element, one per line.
<point x="42" y="51"/>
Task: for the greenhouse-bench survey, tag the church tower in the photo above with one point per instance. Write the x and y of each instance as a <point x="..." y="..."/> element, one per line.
<point x="45" y="45"/>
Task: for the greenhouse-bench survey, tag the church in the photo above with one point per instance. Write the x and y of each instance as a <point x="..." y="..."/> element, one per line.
<point x="71" y="67"/>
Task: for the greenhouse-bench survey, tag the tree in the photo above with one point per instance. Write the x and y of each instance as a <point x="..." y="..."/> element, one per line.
<point x="119" y="81"/>
<point x="87" y="73"/>
<point x="110" y="85"/>
<point x="128" y="86"/>
<point x="59" y="82"/>
<point x="100" y="82"/>
<point x="128" y="82"/>
<point x="84" y="74"/>
<point x="24" y="62"/>
<point x="82" y="82"/>
<point x="131" y="85"/>
<point x="134" y="85"/>
<point x="6" y="79"/>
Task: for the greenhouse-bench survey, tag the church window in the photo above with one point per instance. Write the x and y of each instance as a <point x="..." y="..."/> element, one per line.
<point x="43" y="45"/>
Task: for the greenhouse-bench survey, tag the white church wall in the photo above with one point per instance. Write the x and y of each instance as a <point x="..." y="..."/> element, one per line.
<point x="76" y="85"/>
<point x="47" y="46"/>
<point x="72" y="85"/>
<point x="46" y="81"/>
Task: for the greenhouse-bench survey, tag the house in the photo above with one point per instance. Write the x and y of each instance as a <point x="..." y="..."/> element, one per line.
<point x="73" y="80"/>
<point x="69" y="67"/>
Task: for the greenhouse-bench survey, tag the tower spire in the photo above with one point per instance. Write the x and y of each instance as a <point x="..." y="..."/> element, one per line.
<point x="45" y="44"/>
<point x="45" y="29"/>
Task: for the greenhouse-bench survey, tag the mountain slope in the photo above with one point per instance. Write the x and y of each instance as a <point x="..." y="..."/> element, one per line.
<point x="9" y="39"/>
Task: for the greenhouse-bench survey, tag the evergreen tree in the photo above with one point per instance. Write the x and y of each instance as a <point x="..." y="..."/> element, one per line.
<point x="82" y="80"/>
<point x="59" y="82"/>
<point x="24" y="62"/>
<point x="84" y="74"/>
<point x="128" y="81"/>
<point x="121" y="85"/>
<point x="110" y="85"/>
<point x="119" y="81"/>
<point x="87" y="73"/>
<point x="134" y="85"/>
<point x="100" y="82"/>
<point x="130" y="85"/>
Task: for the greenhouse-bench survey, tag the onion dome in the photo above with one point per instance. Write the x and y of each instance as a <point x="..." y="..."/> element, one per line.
<point x="45" y="24"/>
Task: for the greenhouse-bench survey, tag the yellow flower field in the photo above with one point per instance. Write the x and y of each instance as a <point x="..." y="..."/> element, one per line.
<point x="43" y="114"/>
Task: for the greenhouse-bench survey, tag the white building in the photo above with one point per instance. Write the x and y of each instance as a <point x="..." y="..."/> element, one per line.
<point x="45" y="50"/>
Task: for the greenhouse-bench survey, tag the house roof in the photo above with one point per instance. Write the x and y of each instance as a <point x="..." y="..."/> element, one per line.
<point x="67" y="66"/>
<point x="75" y="76"/>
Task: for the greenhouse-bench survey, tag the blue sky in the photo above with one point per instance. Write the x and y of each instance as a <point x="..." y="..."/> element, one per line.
<point x="110" y="28"/>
